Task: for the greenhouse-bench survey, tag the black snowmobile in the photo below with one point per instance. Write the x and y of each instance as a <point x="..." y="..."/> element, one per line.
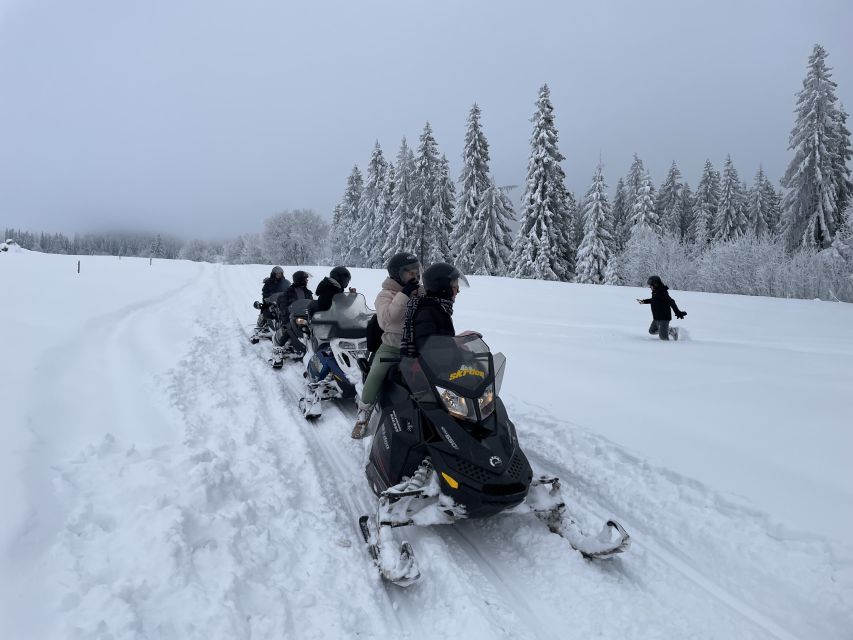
<point x="292" y="333"/>
<point x="270" y="318"/>
<point x="444" y="448"/>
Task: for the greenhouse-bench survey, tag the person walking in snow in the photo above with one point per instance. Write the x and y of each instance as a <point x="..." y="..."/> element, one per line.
<point x="661" y="303"/>
<point x="402" y="284"/>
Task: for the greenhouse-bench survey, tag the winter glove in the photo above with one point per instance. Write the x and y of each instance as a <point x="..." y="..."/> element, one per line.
<point x="681" y="315"/>
<point x="410" y="287"/>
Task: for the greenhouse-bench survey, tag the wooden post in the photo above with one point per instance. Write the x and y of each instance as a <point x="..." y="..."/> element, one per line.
<point x="150" y="259"/>
<point x="78" y="266"/>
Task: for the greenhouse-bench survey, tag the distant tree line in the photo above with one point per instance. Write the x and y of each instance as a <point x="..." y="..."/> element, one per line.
<point x="106" y="244"/>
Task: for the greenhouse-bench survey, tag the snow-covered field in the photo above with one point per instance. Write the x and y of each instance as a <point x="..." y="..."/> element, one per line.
<point x="157" y="480"/>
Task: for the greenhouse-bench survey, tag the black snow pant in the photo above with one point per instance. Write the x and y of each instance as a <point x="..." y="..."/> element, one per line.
<point x="660" y="327"/>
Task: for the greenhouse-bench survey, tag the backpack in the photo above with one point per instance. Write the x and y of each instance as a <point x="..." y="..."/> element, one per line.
<point x="374" y="334"/>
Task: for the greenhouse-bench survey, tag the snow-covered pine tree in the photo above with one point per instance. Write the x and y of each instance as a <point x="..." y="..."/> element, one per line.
<point x="400" y="228"/>
<point x="705" y="206"/>
<point x="384" y="224"/>
<point x="440" y="220"/>
<point x="345" y="216"/>
<point x="489" y="254"/>
<point x="594" y="252"/>
<point x="634" y="179"/>
<point x="759" y="215"/>
<point x="686" y="212"/>
<point x="157" y="247"/>
<point x="773" y="197"/>
<point x="621" y="215"/>
<point x="575" y="210"/>
<point x="729" y="223"/>
<point x="426" y="179"/>
<point x="643" y="213"/>
<point x="668" y="203"/>
<point x="369" y="236"/>
<point x="474" y="181"/>
<point x="542" y="247"/>
<point x="812" y="178"/>
<point x="843" y="155"/>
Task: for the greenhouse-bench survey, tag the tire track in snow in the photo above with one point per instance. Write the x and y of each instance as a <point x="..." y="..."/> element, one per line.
<point x="326" y="471"/>
<point x="592" y="501"/>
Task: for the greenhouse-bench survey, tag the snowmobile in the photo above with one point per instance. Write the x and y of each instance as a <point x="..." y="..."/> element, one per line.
<point x="271" y="318"/>
<point x="336" y="344"/>
<point x="292" y="334"/>
<point x="444" y="449"/>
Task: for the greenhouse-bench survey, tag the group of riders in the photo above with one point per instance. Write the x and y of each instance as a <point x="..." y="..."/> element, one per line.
<point x="413" y="304"/>
<point x="445" y="447"/>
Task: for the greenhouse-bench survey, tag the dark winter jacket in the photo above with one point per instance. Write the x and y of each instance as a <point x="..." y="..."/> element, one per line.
<point x="293" y="294"/>
<point x="430" y="319"/>
<point x="326" y="290"/>
<point x="661" y="303"/>
<point x="271" y="286"/>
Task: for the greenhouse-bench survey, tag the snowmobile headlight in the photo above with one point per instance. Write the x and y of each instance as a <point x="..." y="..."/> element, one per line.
<point x="301" y="320"/>
<point x="487" y="401"/>
<point x="456" y="405"/>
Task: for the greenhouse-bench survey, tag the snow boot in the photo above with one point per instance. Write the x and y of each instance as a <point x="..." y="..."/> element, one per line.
<point x="361" y="420"/>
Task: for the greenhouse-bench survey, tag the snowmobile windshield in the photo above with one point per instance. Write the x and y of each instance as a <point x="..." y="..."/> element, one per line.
<point x="346" y="318"/>
<point x="462" y="364"/>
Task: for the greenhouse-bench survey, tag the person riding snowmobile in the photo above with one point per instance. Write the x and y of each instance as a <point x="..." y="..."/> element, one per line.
<point x="336" y="282"/>
<point x="402" y="283"/>
<point x="432" y="314"/>
<point x="275" y="283"/>
<point x="297" y="291"/>
<point x="661" y="303"/>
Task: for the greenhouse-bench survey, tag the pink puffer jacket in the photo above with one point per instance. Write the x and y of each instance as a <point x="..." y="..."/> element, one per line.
<point x="391" y="311"/>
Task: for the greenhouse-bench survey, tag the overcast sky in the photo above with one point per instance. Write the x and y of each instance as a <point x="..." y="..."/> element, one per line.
<point x="203" y="117"/>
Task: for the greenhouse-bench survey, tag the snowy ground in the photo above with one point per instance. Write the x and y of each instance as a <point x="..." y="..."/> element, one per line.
<point x="157" y="481"/>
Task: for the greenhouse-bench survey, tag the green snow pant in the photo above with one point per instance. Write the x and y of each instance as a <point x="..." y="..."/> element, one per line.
<point x="378" y="371"/>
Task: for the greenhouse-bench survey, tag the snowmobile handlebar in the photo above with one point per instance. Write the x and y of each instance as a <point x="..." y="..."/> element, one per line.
<point x="391" y="360"/>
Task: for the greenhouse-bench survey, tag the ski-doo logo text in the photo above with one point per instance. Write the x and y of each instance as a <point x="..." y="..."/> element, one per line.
<point x="395" y="423"/>
<point x="467" y="371"/>
<point x="447" y="437"/>
<point x="495" y="461"/>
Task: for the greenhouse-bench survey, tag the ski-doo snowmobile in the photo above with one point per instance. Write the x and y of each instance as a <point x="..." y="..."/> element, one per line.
<point x="336" y="343"/>
<point x="444" y="449"/>
<point x="271" y="315"/>
<point x="292" y="334"/>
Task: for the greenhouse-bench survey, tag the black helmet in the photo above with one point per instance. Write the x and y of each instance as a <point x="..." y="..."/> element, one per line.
<point x="341" y="275"/>
<point x="439" y="278"/>
<point x="300" y="278"/>
<point x="654" y="281"/>
<point x="400" y="263"/>
<point x="276" y="271"/>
